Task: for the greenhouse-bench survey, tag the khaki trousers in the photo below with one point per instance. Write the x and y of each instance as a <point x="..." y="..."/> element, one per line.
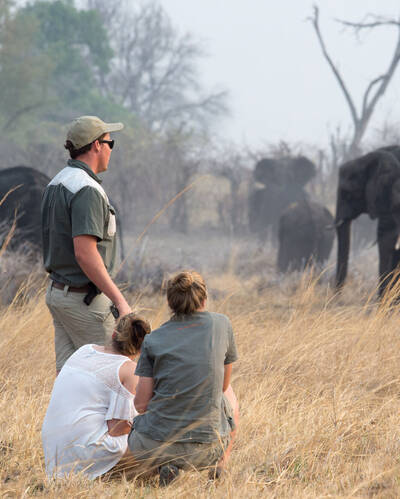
<point x="77" y="324"/>
<point x="145" y="456"/>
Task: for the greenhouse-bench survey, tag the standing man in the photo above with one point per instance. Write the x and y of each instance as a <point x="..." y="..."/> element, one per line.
<point x="79" y="242"/>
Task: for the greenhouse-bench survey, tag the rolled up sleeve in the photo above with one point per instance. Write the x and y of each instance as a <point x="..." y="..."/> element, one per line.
<point x="144" y="367"/>
<point x="88" y="213"/>
<point x="231" y="353"/>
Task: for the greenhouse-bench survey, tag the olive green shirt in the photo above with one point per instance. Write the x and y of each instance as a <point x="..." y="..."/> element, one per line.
<point x="74" y="203"/>
<point x="186" y="360"/>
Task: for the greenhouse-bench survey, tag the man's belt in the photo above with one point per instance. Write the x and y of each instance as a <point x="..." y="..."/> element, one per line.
<point x="60" y="285"/>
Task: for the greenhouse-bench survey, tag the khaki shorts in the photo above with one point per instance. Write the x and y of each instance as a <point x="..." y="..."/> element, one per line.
<point x="151" y="453"/>
<point x="77" y="324"/>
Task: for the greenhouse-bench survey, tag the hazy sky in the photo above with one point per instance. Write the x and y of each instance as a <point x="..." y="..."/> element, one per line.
<point x="266" y="54"/>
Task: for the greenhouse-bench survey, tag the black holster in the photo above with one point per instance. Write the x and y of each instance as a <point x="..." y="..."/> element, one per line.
<point x="93" y="291"/>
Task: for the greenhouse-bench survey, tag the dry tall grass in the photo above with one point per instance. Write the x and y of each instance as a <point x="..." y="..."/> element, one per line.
<point x="318" y="382"/>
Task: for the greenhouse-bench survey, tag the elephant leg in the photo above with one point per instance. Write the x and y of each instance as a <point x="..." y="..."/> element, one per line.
<point x="325" y="242"/>
<point x="289" y="259"/>
<point x="283" y="259"/>
<point x="301" y="254"/>
<point x="396" y="267"/>
<point x="294" y="252"/>
<point x="388" y="259"/>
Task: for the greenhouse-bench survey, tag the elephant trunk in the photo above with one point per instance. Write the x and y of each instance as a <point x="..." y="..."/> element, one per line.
<point x="343" y="233"/>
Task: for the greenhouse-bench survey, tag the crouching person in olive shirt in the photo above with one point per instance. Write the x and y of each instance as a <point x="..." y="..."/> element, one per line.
<point x="188" y="411"/>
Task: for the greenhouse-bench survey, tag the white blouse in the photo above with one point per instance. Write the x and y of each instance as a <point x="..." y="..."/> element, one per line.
<point x="86" y="394"/>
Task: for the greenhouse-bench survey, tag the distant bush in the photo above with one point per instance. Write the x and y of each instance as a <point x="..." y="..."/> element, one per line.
<point x="21" y="274"/>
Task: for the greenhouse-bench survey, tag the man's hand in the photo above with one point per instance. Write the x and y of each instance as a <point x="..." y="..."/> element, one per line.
<point x="123" y="309"/>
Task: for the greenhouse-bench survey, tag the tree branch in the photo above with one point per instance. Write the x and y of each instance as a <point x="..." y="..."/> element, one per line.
<point x="155" y="72"/>
<point x="349" y="100"/>
<point x="360" y="25"/>
<point x="368" y="90"/>
<point x="19" y="113"/>
<point x="385" y="79"/>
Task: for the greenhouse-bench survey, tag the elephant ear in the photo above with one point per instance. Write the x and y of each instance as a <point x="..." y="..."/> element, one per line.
<point x="383" y="171"/>
<point x="267" y="171"/>
<point x="303" y="170"/>
<point x="395" y="198"/>
<point x="396" y="202"/>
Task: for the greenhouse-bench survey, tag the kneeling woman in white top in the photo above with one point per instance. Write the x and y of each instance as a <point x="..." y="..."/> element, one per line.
<point x="91" y="407"/>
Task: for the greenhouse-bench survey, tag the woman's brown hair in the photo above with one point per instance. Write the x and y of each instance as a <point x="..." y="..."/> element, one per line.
<point x="186" y="293"/>
<point x="129" y="334"/>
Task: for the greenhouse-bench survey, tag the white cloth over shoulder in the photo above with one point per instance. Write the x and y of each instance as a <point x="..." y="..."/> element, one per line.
<point x="86" y="394"/>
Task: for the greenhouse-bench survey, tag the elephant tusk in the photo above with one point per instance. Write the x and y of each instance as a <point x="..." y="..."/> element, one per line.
<point x="397" y="245"/>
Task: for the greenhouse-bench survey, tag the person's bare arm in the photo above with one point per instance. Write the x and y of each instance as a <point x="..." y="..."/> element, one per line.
<point x="144" y="392"/>
<point x="227" y="376"/>
<point x="127" y="375"/>
<point x="118" y="427"/>
<point x="91" y="263"/>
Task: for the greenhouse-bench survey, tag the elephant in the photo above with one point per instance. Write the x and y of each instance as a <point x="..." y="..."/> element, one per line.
<point x="21" y="189"/>
<point x="370" y="184"/>
<point x="306" y="233"/>
<point x="283" y="183"/>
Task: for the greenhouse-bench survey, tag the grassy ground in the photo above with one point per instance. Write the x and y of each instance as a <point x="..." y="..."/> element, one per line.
<point x="318" y="383"/>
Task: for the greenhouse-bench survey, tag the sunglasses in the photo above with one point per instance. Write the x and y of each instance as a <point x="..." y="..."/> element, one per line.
<point x="109" y="142"/>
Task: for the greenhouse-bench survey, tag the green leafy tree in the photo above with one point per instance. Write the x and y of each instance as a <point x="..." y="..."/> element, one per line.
<point x="23" y="71"/>
<point x="5" y="7"/>
<point x="77" y="44"/>
<point x="53" y="58"/>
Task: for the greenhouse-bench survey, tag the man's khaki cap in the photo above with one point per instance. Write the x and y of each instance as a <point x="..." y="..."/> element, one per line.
<point x="85" y="129"/>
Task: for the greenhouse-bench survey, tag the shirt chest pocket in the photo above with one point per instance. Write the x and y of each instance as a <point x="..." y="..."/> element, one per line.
<point x="112" y="223"/>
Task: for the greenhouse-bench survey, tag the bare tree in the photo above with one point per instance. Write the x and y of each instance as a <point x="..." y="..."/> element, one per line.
<point x="109" y="10"/>
<point x="375" y="89"/>
<point x="154" y="72"/>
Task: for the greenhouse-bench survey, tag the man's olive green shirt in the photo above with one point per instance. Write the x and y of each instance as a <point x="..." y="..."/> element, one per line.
<point x="74" y="204"/>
